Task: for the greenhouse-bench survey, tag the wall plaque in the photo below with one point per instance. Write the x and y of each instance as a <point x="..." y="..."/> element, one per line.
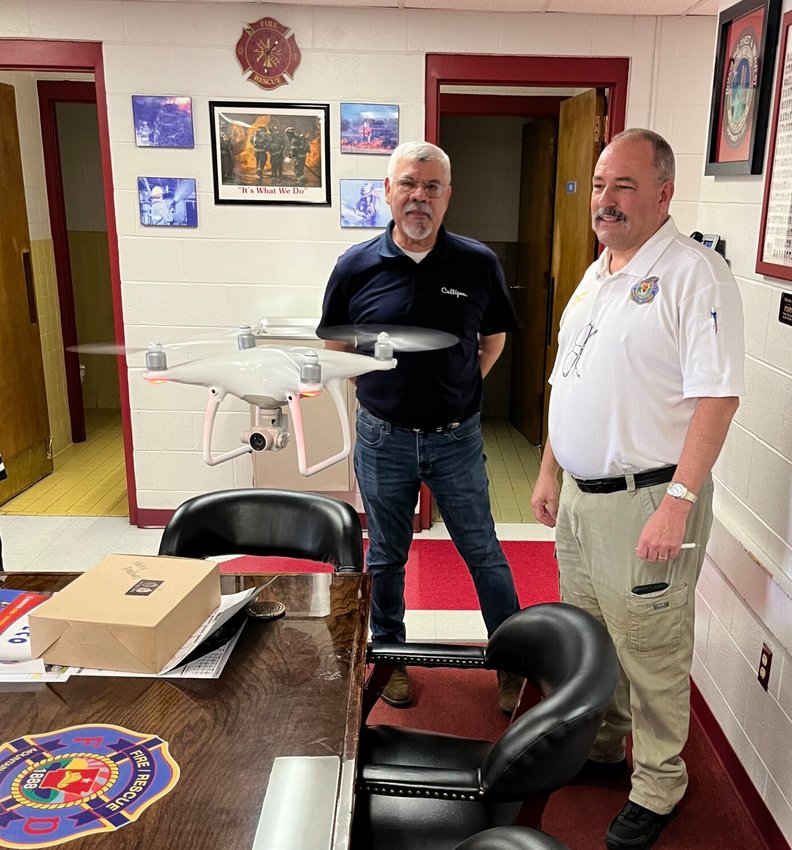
<point x="268" y="52"/>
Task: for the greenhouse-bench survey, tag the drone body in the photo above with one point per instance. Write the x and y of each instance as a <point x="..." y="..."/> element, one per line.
<point x="270" y="378"/>
<point x="267" y="375"/>
<point x="273" y="378"/>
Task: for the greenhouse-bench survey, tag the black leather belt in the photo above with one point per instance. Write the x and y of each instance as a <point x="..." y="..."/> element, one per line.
<point x="440" y="429"/>
<point x="612" y="485"/>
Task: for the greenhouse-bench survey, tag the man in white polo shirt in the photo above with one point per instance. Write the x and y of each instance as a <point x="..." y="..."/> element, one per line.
<point x="647" y="379"/>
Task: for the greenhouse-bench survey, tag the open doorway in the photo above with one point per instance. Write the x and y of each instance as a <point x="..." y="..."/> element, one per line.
<point x="523" y="134"/>
<point x="79" y="251"/>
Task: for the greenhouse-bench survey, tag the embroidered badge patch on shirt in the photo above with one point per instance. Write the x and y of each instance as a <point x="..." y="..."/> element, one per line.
<point x="645" y="290"/>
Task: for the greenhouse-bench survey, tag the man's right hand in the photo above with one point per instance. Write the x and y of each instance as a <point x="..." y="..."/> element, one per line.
<point x="544" y="501"/>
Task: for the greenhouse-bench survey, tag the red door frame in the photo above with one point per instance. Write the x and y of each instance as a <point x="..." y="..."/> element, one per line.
<point x="52" y="55"/>
<point x="52" y="92"/>
<point x="610" y="73"/>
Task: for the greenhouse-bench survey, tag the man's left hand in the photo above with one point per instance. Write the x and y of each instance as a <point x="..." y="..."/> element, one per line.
<point x="664" y="531"/>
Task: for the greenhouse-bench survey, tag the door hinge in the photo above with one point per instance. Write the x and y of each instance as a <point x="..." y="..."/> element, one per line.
<point x="599" y="128"/>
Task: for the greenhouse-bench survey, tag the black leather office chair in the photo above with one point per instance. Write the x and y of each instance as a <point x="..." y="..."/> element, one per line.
<point x="419" y="790"/>
<point x="511" y="838"/>
<point x="266" y="522"/>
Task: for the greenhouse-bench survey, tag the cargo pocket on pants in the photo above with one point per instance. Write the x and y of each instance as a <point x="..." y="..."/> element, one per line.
<point x="655" y="623"/>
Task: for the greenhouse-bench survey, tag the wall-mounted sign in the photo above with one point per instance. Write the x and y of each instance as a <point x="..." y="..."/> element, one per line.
<point x="268" y="52"/>
<point x="785" y="309"/>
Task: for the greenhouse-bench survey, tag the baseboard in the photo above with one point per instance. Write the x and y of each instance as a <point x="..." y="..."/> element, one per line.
<point x="154" y="517"/>
<point x="751" y="799"/>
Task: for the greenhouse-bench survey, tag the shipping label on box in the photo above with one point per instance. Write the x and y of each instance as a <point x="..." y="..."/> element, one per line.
<point x="129" y="613"/>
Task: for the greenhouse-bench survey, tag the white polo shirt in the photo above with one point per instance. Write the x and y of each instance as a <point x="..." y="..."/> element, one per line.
<point x="636" y="349"/>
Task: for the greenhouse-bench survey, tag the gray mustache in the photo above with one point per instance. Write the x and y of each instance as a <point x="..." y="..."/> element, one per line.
<point x="609" y="211"/>
<point x="419" y="206"/>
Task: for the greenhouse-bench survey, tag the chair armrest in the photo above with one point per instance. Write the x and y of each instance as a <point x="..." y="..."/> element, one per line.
<point x="416" y="781"/>
<point x="427" y="654"/>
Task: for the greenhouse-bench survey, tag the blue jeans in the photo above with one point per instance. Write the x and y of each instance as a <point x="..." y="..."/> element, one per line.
<point x="390" y="464"/>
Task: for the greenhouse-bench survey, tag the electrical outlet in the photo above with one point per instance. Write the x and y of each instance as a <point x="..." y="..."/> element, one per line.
<point x="764" y="666"/>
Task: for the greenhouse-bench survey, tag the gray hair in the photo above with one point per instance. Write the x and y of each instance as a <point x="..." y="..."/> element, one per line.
<point x="664" y="163"/>
<point x="420" y="152"/>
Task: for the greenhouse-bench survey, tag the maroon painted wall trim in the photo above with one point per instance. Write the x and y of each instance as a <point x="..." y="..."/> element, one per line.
<point x="737" y="775"/>
<point x="572" y="71"/>
<point x="52" y="55"/>
<point x="501" y="105"/>
<point x="50" y="92"/>
<point x="154" y="517"/>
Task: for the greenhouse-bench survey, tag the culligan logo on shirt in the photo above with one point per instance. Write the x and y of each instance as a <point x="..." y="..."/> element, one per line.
<point x="448" y="290"/>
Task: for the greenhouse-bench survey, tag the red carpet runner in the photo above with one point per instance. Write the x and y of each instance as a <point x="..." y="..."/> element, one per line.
<point x="437" y="578"/>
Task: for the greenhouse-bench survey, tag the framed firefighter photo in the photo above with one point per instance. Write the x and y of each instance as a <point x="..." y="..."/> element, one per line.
<point x="270" y="153"/>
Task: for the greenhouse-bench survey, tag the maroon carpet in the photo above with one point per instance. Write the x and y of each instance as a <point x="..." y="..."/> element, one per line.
<point x="464" y="702"/>
<point x="437" y="578"/>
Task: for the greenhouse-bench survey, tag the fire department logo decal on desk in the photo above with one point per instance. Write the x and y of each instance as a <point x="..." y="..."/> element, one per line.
<point x="77" y="781"/>
<point x="269" y="52"/>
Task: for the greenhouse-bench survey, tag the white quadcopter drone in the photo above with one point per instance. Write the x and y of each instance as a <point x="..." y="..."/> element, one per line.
<point x="273" y="377"/>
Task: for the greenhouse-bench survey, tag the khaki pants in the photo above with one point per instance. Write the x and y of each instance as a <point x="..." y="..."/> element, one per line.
<point x="596" y="536"/>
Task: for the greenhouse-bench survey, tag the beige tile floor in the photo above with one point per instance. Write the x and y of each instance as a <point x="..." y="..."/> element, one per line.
<point x="512" y="464"/>
<point x="89" y="478"/>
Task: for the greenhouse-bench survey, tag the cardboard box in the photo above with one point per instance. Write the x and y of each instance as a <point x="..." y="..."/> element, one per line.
<point x="129" y="613"/>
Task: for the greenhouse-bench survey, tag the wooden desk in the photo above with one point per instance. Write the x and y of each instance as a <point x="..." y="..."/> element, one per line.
<point x="292" y="687"/>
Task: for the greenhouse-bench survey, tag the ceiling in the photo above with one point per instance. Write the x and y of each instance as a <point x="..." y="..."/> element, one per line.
<point x="580" y="7"/>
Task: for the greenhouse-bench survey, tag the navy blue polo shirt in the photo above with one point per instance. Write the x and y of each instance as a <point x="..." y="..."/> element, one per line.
<point x="458" y="287"/>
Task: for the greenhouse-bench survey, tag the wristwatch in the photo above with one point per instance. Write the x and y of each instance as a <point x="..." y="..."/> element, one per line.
<point x="678" y="491"/>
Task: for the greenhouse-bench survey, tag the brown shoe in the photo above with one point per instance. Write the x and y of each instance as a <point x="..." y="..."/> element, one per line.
<point x="509" y="687"/>
<point x="398" y="692"/>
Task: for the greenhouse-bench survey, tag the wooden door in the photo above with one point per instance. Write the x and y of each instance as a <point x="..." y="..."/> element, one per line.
<point x="24" y="439"/>
<point x="581" y="129"/>
<point x="531" y="292"/>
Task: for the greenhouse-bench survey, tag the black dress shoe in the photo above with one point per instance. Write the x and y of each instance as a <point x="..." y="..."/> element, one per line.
<point x="636" y="828"/>
<point x="596" y="772"/>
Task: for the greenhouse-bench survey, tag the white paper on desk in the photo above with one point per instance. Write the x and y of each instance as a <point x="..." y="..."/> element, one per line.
<point x="34" y="670"/>
<point x="230" y="603"/>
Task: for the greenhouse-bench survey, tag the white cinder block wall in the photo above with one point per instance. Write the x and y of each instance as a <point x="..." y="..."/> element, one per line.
<point x="745" y="589"/>
<point x="246" y="262"/>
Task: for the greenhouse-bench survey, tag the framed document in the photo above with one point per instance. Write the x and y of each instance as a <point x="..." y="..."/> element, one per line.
<point x="774" y="256"/>
<point x="741" y="89"/>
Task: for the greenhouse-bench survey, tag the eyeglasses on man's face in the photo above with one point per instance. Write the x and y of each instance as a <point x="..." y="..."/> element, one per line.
<point x="572" y="359"/>
<point x="432" y="189"/>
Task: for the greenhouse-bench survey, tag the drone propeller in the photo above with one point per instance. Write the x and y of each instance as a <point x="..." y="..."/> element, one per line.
<point x="397" y="337"/>
<point x="156" y="352"/>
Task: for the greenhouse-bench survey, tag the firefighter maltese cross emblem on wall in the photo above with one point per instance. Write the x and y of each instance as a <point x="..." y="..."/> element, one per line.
<point x="268" y="52"/>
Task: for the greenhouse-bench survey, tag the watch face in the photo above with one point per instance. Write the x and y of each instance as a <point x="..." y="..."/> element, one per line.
<point x="676" y="490"/>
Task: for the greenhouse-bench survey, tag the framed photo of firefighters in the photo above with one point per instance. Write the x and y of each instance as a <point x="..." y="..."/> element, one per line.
<point x="270" y="153"/>
<point x="363" y="204"/>
<point x="741" y="89"/>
